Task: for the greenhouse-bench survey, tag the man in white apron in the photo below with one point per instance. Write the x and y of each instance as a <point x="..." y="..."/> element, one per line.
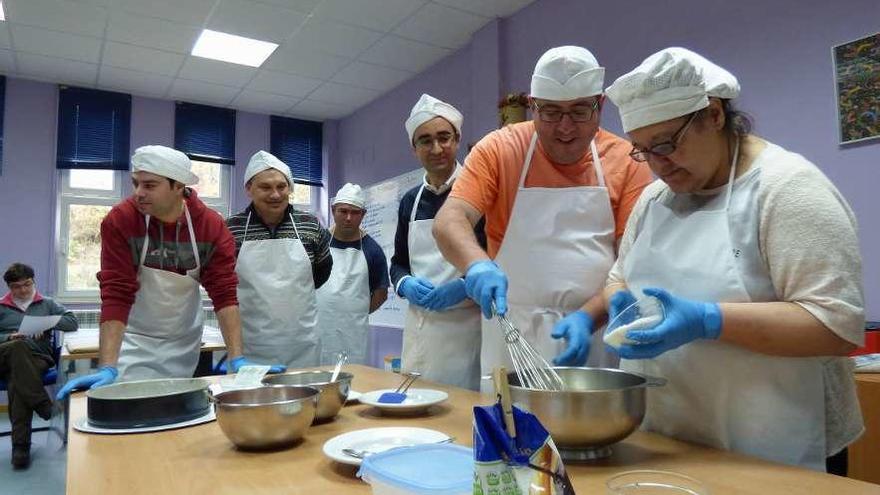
<point x="157" y="247"/>
<point x="555" y="193"/>
<point x="283" y="257"/>
<point x="441" y="335"/>
<point x="764" y="374"/>
<point x="358" y="284"/>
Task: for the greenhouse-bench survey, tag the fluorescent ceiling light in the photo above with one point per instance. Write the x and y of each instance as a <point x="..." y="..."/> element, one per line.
<point x="231" y="48"/>
<point x="2" y="12"/>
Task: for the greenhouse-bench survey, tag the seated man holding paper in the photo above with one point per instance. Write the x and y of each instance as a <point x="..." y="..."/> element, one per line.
<point x="26" y="323"/>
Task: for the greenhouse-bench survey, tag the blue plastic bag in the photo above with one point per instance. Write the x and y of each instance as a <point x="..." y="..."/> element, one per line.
<point x="526" y="464"/>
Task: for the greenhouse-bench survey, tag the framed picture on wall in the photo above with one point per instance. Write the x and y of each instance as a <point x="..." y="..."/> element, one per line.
<point x="857" y="84"/>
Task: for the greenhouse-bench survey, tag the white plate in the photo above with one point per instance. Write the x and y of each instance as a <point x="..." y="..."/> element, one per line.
<point x="353" y="396"/>
<point x="378" y="440"/>
<point x="82" y="424"/>
<point x="417" y="400"/>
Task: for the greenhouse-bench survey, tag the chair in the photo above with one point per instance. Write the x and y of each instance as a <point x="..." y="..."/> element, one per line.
<point x="50" y="378"/>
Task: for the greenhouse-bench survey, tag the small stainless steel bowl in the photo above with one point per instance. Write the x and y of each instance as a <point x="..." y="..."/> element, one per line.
<point x="145" y="403"/>
<point x="597" y="408"/>
<point x="332" y="396"/>
<point x="265" y="417"/>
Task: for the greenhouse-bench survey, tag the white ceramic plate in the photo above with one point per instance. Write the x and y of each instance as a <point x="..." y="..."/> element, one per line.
<point x="378" y="440"/>
<point x="353" y="396"/>
<point x="417" y="400"/>
<point x="82" y="424"/>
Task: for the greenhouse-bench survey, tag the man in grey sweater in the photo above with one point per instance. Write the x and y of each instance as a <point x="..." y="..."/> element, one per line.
<point x="24" y="359"/>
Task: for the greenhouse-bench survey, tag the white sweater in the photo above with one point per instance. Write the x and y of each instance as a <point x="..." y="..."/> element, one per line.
<point x="793" y="226"/>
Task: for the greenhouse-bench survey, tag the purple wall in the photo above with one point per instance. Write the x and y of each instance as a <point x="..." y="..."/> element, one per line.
<point x="780" y="51"/>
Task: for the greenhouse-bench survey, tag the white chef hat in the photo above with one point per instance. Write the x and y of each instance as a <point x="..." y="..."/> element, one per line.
<point x="263" y="160"/>
<point x="669" y="84"/>
<point x="351" y="194"/>
<point x="567" y="73"/>
<point x="428" y="108"/>
<point x="164" y="161"/>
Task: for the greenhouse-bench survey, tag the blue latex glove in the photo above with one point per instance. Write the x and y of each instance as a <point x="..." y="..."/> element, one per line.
<point x="576" y="328"/>
<point x="240" y="361"/>
<point x="486" y="283"/>
<point x="104" y="376"/>
<point x="685" y="322"/>
<point x="416" y="290"/>
<point x="446" y="295"/>
<point x="619" y="301"/>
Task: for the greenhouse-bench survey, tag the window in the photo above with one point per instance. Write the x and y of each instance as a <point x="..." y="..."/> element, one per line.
<point x="207" y="135"/>
<point x="301" y="197"/>
<point x="93" y="155"/>
<point x="86" y="196"/>
<point x="298" y="143"/>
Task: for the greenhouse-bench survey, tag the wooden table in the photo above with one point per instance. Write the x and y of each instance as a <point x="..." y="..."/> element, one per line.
<point x="201" y="460"/>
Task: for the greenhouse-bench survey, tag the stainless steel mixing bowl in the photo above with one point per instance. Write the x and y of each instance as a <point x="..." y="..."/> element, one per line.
<point x="332" y="396"/>
<point x="597" y="408"/>
<point x="266" y="417"/>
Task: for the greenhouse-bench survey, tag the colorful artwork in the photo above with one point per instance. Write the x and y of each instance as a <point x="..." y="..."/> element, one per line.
<point x="857" y="73"/>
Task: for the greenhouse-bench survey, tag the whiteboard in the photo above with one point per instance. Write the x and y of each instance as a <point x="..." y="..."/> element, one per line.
<point x="383" y="200"/>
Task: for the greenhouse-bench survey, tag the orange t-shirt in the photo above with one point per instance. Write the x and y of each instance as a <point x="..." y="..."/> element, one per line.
<point x="491" y="173"/>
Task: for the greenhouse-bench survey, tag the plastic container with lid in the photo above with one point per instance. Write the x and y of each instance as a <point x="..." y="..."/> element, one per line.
<point x="429" y="469"/>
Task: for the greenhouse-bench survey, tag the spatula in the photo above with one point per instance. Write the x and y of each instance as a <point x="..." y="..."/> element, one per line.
<point x="399" y="394"/>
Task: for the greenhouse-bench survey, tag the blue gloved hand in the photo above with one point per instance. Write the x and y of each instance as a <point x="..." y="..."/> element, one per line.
<point x="685" y="322"/>
<point x="104" y="376"/>
<point x="446" y="295"/>
<point x="619" y="301"/>
<point x="240" y="361"/>
<point x="485" y="283"/>
<point x="576" y="328"/>
<point x="416" y="290"/>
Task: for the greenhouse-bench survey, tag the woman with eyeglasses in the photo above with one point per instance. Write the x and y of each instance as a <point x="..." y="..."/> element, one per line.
<point x="753" y="254"/>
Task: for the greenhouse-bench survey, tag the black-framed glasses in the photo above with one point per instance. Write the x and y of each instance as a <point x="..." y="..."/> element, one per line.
<point x="665" y="148"/>
<point x="577" y="113"/>
<point x="427" y="142"/>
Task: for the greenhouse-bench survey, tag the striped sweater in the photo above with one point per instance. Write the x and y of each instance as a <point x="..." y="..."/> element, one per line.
<point x="315" y="238"/>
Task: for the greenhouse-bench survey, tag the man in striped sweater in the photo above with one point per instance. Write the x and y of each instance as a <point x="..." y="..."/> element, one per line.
<point x="283" y="257"/>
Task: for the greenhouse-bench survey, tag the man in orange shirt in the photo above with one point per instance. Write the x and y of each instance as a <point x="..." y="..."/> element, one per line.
<point x="556" y="193"/>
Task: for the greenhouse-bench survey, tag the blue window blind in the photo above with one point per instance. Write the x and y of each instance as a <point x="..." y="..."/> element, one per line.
<point x="2" y="109"/>
<point x="93" y="129"/>
<point x="205" y="133"/>
<point x="298" y="144"/>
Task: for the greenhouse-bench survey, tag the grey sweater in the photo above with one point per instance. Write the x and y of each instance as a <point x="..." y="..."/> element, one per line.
<point x="11" y="316"/>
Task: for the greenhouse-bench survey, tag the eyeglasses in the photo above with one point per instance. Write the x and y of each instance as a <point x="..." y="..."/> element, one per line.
<point x="27" y="284"/>
<point x="578" y="113"/>
<point x="427" y="142"/>
<point x="665" y="148"/>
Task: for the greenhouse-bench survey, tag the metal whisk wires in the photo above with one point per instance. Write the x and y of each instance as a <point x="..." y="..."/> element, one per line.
<point x="532" y="370"/>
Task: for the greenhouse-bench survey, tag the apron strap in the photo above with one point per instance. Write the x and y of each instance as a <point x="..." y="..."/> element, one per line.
<point x="597" y="163"/>
<point x="247" y="224"/>
<point x="732" y="176"/>
<point x="192" y="238"/>
<point x="412" y="215"/>
<point x="295" y="230"/>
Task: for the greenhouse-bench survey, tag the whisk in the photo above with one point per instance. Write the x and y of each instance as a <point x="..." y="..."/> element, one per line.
<point x="532" y="370"/>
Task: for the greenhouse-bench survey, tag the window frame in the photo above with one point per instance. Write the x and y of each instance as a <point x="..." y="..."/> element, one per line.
<point x="69" y="196"/>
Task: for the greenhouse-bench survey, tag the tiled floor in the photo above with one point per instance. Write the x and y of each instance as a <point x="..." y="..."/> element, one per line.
<point x="48" y="470"/>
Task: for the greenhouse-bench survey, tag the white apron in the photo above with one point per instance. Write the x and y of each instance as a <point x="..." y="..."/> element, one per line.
<point x="276" y="296"/>
<point x="718" y="394"/>
<point x="344" y="307"/>
<point x="557" y="251"/>
<point x="444" y="346"/>
<point x="164" y="332"/>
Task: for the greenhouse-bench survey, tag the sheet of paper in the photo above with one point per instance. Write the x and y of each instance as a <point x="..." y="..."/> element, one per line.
<point x="250" y="376"/>
<point x="33" y="325"/>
